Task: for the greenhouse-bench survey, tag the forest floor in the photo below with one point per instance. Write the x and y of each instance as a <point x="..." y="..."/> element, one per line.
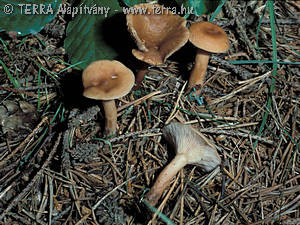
<point x="57" y="167"/>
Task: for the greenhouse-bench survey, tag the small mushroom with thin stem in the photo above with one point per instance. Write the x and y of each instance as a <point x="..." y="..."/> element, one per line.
<point x="208" y="38"/>
<point x="191" y="148"/>
<point x="157" y="35"/>
<point x="107" y="80"/>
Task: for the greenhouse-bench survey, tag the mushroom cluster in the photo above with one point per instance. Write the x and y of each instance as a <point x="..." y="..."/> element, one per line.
<point x="157" y="37"/>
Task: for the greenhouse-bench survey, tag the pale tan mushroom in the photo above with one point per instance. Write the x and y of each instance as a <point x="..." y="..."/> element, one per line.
<point x="208" y="38"/>
<point x="157" y="35"/>
<point x="191" y="148"/>
<point x="107" y="80"/>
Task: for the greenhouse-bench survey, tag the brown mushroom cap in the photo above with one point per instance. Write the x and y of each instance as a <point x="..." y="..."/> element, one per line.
<point x="107" y="80"/>
<point x="158" y="35"/>
<point x="209" y="37"/>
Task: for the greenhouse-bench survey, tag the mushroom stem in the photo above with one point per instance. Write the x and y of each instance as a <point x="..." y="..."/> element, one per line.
<point x="110" y="111"/>
<point x="197" y="76"/>
<point x="140" y="77"/>
<point x="164" y="178"/>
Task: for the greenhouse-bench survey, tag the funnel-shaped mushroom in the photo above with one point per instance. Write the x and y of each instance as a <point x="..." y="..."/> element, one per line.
<point x="191" y="148"/>
<point x="158" y="34"/>
<point x="107" y="80"/>
<point x="208" y="38"/>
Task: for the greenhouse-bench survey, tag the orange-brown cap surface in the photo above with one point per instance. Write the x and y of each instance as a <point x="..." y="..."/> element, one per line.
<point x="107" y="80"/>
<point x="209" y="37"/>
<point x="157" y="35"/>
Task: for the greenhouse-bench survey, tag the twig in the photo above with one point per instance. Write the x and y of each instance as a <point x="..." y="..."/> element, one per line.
<point x="242" y="32"/>
<point x="33" y="181"/>
<point x="50" y="181"/>
<point x="213" y="214"/>
<point x="232" y="133"/>
<point x="176" y="104"/>
<point x="117" y="187"/>
<point x="138" y="101"/>
<point x="43" y="202"/>
<point x="134" y="134"/>
<point x="30" y="215"/>
<point x="244" y="73"/>
<point x="8" y="89"/>
<point x="111" y="163"/>
<point x="243" y="87"/>
<point x="4" y="161"/>
<point x="280" y="211"/>
<point x="61" y="214"/>
<point x="283" y="21"/>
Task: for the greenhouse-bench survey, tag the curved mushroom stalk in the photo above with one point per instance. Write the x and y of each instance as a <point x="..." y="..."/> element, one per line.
<point x="164" y="178"/>
<point x="191" y="148"/>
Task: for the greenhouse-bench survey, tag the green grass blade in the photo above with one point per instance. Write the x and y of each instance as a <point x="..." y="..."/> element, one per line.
<point x="56" y="113"/>
<point x="270" y="4"/>
<point x="217" y="11"/>
<point x="239" y="62"/>
<point x="10" y="77"/>
<point x="4" y="44"/>
<point x="161" y="215"/>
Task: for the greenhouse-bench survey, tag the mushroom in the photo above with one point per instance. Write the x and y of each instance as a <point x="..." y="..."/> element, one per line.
<point x="208" y="38"/>
<point x="157" y="35"/>
<point x="191" y="148"/>
<point x="107" y="80"/>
